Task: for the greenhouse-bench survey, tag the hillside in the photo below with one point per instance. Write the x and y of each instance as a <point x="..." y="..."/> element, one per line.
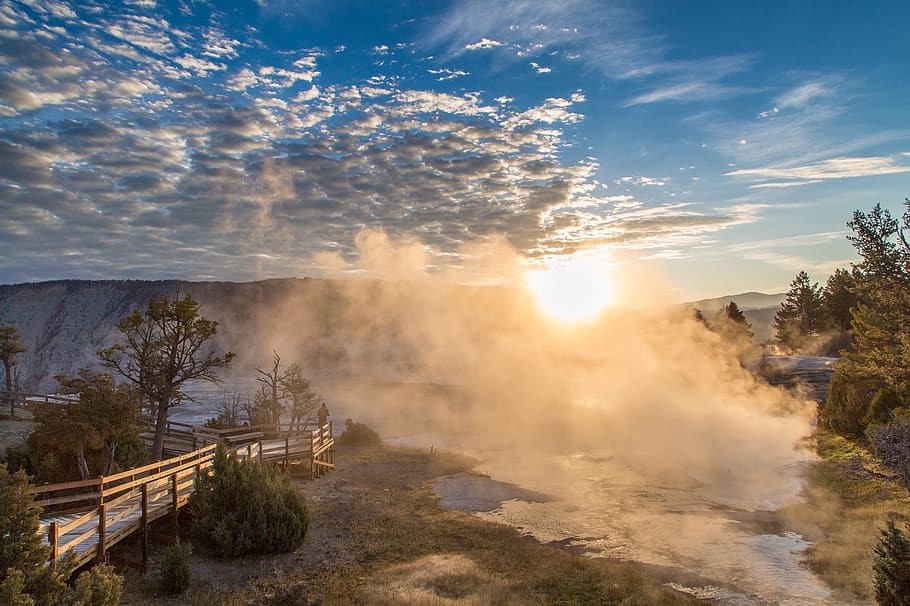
<point x="331" y="326"/>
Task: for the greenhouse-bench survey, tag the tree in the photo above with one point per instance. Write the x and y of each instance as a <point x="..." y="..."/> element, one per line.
<point x="248" y="507"/>
<point x="25" y="579"/>
<point x="163" y="348"/>
<point x="848" y="404"/>
<point x="304" y="401"/>
<point x="892" y="567"/>
<point x="21" y="545"/>
<point x="102" y="418"/>
<point x="268" y="399"/>
<point x="108" y="409"/>
<point x="10" y="346"/>
<point x="798" y="316"/>
<point x="881" y="317"/>
<point x="731" y="323"/>
<point x="838" y="299"/>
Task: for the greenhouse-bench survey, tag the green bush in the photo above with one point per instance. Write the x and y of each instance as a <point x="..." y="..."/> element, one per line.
<point x="892" y="567"/>
<point x="100" y="586"/>
<point x="248" y="507"/>
<point x="358" y="434"/>
<point x="174" y="570"/>
<point x="848" y="402"/>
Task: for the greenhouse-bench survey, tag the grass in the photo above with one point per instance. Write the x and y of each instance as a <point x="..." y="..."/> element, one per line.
<point x="379" y="536"/>
<point x="849" y="497"/>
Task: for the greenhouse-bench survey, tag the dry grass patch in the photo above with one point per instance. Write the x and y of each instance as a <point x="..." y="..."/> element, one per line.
<point x="849" y="497"/>
<point x="436" y="580"/>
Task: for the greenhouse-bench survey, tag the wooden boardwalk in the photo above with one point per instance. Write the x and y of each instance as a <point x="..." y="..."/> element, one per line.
<point x="87" y="518"/>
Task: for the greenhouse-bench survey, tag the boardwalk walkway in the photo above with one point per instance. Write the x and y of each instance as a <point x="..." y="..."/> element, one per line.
<point x="86" y="518"/>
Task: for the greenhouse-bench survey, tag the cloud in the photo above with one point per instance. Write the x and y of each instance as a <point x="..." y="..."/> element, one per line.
<point x="809" y="92"/>
<point x="834" y="168"/>
<point x="608" y="37"/>
<point x="185" y="145"/>
<point x="483" y="43"/>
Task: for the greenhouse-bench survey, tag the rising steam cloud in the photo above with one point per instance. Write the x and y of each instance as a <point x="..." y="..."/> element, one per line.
<point x="483" y="369"/>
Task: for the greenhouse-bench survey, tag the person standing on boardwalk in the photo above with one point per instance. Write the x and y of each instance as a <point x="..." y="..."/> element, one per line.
<point x="323" y="415"/>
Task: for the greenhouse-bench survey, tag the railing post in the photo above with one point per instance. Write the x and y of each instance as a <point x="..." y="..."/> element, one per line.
<point x="174" y="503"/>
<point x="144" y="528"/>
<point x="286" y="452"/>
<point x="102" y="529"/>
<point x="249" y="452"/>
<point x="54" y="540"/>
<point x="260" y="449"/>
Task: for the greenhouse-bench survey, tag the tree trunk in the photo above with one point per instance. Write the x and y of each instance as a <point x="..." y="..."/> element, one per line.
<point x="83" y="466"/>
<point x="110" y="451"/>
<point x="160" y="431"/>
<point x="8" y="367"/>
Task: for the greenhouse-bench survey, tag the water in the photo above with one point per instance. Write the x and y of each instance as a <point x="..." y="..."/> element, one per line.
<point x="719" y="540"/>
<point x="730" y="551"/>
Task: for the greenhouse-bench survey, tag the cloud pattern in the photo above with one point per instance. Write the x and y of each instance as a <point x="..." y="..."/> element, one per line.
<point x="134" y="147"/>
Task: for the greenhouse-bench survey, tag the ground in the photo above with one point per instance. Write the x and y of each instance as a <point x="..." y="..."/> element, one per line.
<point x="379" y="536"/>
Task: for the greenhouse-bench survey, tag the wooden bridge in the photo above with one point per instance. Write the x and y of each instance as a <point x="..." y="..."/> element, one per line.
<point x="87" y="518"/>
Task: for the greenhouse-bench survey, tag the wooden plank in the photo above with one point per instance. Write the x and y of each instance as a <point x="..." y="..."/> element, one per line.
<point x="86" y="517"/>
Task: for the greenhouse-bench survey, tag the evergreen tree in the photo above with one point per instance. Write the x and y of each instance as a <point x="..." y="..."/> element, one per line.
<point x="838" y="299"/>
<point x="848" y="403"/>
<point x="162" y="349"/>
<point x="798" y="316"/>
<point x="892" y="567"/>
<point x="248" y="507"/>
<point x="732" y="324"/>
<point x="881" y="318"/>
<point x="21" y="546"/>
<point x="303" y="400"/>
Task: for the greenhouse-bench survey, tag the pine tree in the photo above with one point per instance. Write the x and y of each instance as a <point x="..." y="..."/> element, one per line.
<point x="732" y="324"/>
<point x="892" y="567"/>
<point x="21" y="546"/>
<point x="798" y="316"/>
<point x="838" y="299"/>
<point x="881" y="318"/>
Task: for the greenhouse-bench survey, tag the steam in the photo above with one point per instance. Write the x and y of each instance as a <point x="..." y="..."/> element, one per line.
<point x="484" y="366"/>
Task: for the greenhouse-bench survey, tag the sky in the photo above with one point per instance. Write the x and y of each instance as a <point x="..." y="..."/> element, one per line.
<point x="722" y="144"/>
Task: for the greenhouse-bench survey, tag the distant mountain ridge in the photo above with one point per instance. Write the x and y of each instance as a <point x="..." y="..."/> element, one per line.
<point x="746" y="300"/>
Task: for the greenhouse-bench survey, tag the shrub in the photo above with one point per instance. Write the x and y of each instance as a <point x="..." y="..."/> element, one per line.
<point x="890" y="442"/>
<point x="99" y="586"/>
<point x="358" y="434"/>
<point x="248" y="507"/>
<point x="174" y="570"/>
<point x="892" y="567"/>
<point x="848" y="402"/>
<point x="25" y="579"/>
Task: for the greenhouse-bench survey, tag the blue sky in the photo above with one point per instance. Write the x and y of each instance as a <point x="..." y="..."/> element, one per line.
<point x="725" y="144"/>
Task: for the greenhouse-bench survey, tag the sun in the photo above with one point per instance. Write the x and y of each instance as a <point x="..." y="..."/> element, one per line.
<point x="573" y="291"/>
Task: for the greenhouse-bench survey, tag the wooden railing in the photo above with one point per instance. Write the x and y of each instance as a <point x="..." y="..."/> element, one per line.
<point x="86" y="518"/>
<point x="119" y="504"/>
<point x="16" y="404"/>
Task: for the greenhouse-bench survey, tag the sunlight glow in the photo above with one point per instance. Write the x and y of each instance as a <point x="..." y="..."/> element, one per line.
<point x="572" y="292"/>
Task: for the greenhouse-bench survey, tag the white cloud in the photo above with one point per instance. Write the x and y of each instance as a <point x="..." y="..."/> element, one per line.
<point x="834" y="168"/>
<point x="483" y="43"/>
<point x="540" y="69"/>
<point x="808" y="92"/>
<point x="200" y="67"/>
